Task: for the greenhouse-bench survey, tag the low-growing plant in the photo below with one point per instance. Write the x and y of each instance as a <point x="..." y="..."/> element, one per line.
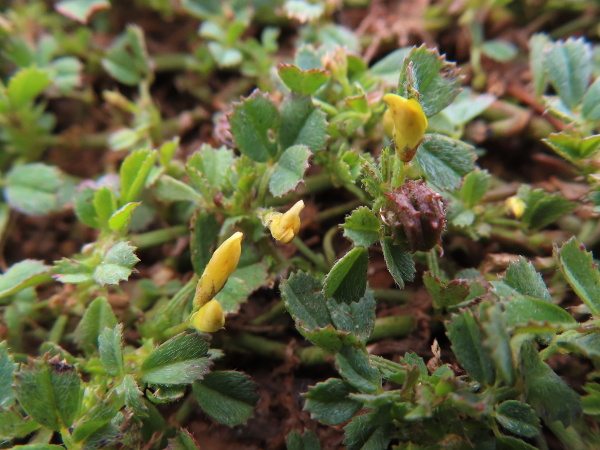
<point x="328" y="171"/>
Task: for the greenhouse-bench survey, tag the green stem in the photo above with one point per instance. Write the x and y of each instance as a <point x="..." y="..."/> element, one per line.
<point x="264" y="184"/>
<point x="328" y="250"/>
<point x="174" y="62"/>
<point x="276" y="310"/>
<point x="569" y="437"/>
<point x="316" y="259"/>
<point x="433" y="263"/>
<point x="312" y="185"/>
<point x="58" y="329"/>
<point x="157" y="237"/>
<point x="68" y="441"/>
<point x="393" y="326"/>
<point x="392" y="295"/>
<point x="399" y="172"/>
<point x="330" y="213"/>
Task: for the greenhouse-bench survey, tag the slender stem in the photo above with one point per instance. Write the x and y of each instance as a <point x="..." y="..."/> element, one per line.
<point x="316" y="259"/>
<point x="275" y="311"/>
<point x="392" y="295"/>
<point x="338" y="210"/>
<point x="312" y="185"/>
<point x="393" y="326"/>
<point x="433" y="263"/>
<point x="58" y="329"/>
<point x="174" y="62"/>
<point x="68" y="441"/>
<point x="328" y="250"/>
<point x="157" y="237"/>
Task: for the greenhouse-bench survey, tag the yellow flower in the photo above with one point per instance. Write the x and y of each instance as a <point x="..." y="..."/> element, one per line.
<point x="410" y="124"/>
<point x="284" y="227"/>
<point x="209" y="318"/>
<point x="516" y="206"/>
<point x="221" y="265"/>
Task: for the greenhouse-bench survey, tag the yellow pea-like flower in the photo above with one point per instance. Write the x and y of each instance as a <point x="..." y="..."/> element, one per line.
<point x="221" y="265"/>
<point x="410" y="124"/>
<point x="209" y="318"/>
<point x="516" y="206"/>
<point x="284" y="227"/>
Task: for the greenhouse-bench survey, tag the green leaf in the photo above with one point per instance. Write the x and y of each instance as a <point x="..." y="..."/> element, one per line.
<point x="25" y="86"/>
<point x="521" y="311"/>
<point x="582" y="274"/>
<point x="542" y="208"/>
<point x="111" y="353"/>
<point x="474" y="187"/>
<point x="305" y="82"/>
<point x="365" y="432"/>
<point x="123" y="139"/>
<point x="66" y="73"/>
<point x="446" y="295"/>
<point x="347" y="280"/>
<point x="180" y="360"/>
<point x="302" y="123"/>
<point x="427" y="75"/>
<point x="573" y="148"/>
<point x="13" y="425"/>
<point x="133" y="174"/>
<point x="50" y="392"/>
<point x="39" y="447"/>
<point x="81" y="10"/>
<point x="328" y="402"/>
<point x="166" y="394"/>
<point x="34" y="188"/>
<point x="497" y="342"/>
<point x="83" y="204"/>
<point x="254" y="126"/>
<point x="242" y="282"/>
<point x="569" y="68"/>
<point x="28" y="272"/>
<point x="127" y="60"/>
<point x="305" y="301"/>
<point x="168" y="189"/>
<point x="356" y="318"/>
<point x="591" y="102"/>
<point x="362" y="227"/>
<point x="537" y="55"/>
<point x="97" y="317"/>
<point x="522" y="277"/>
<point x="105" y="203"/>
<point x="591" y="402"/>
<point x="399" y="263"/>
<point x="211" y="165"/>
<point x="466" y="107"/>
<point x="120" y="219"/>
<point x="445" y="161"/>
<point x="586" y="344"/>
<point x="183" y="441"/>
<point x="289" y="170"/>
<point x="7" y="369"/>
<point x="499" y="50"/>
<point x="354" y="366"/>
<point x="306" y="441"/>
<point x="467" y="337"/>
<point x="388" y="67"/>
<point x="116" y="265"/>
<point x="518" y="418"/>
<point x="229" y="397"/>
<point x="205" y="232"/>
<point x="97" y="417"/>
<point x="549" y="395"/>
<point x="133" y="397"/>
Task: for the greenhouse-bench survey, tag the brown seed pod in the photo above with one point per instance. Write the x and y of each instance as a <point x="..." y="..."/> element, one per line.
<point x="416" y="215"/>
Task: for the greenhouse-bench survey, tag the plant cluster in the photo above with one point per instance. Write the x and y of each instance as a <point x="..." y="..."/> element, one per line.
<point x="320" y="168"/>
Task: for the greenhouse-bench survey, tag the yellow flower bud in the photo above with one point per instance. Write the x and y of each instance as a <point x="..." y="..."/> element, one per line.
<point x="221" y="265"/>
<point x="410" y="124"/>
<point x="516" y="206"/>
<point x="284" y="227"/>
<point x="209" y="318"/>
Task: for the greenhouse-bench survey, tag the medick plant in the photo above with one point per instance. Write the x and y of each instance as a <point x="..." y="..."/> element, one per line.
<point x="77" y="371"/>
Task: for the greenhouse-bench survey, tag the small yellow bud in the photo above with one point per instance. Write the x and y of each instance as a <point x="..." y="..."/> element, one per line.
<point x="516" y="206"/>
<point x="410" y="124"/>
<point x="284" y="227"/>
<point x="209" y="318"/>
<point x="221" y="265"/>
